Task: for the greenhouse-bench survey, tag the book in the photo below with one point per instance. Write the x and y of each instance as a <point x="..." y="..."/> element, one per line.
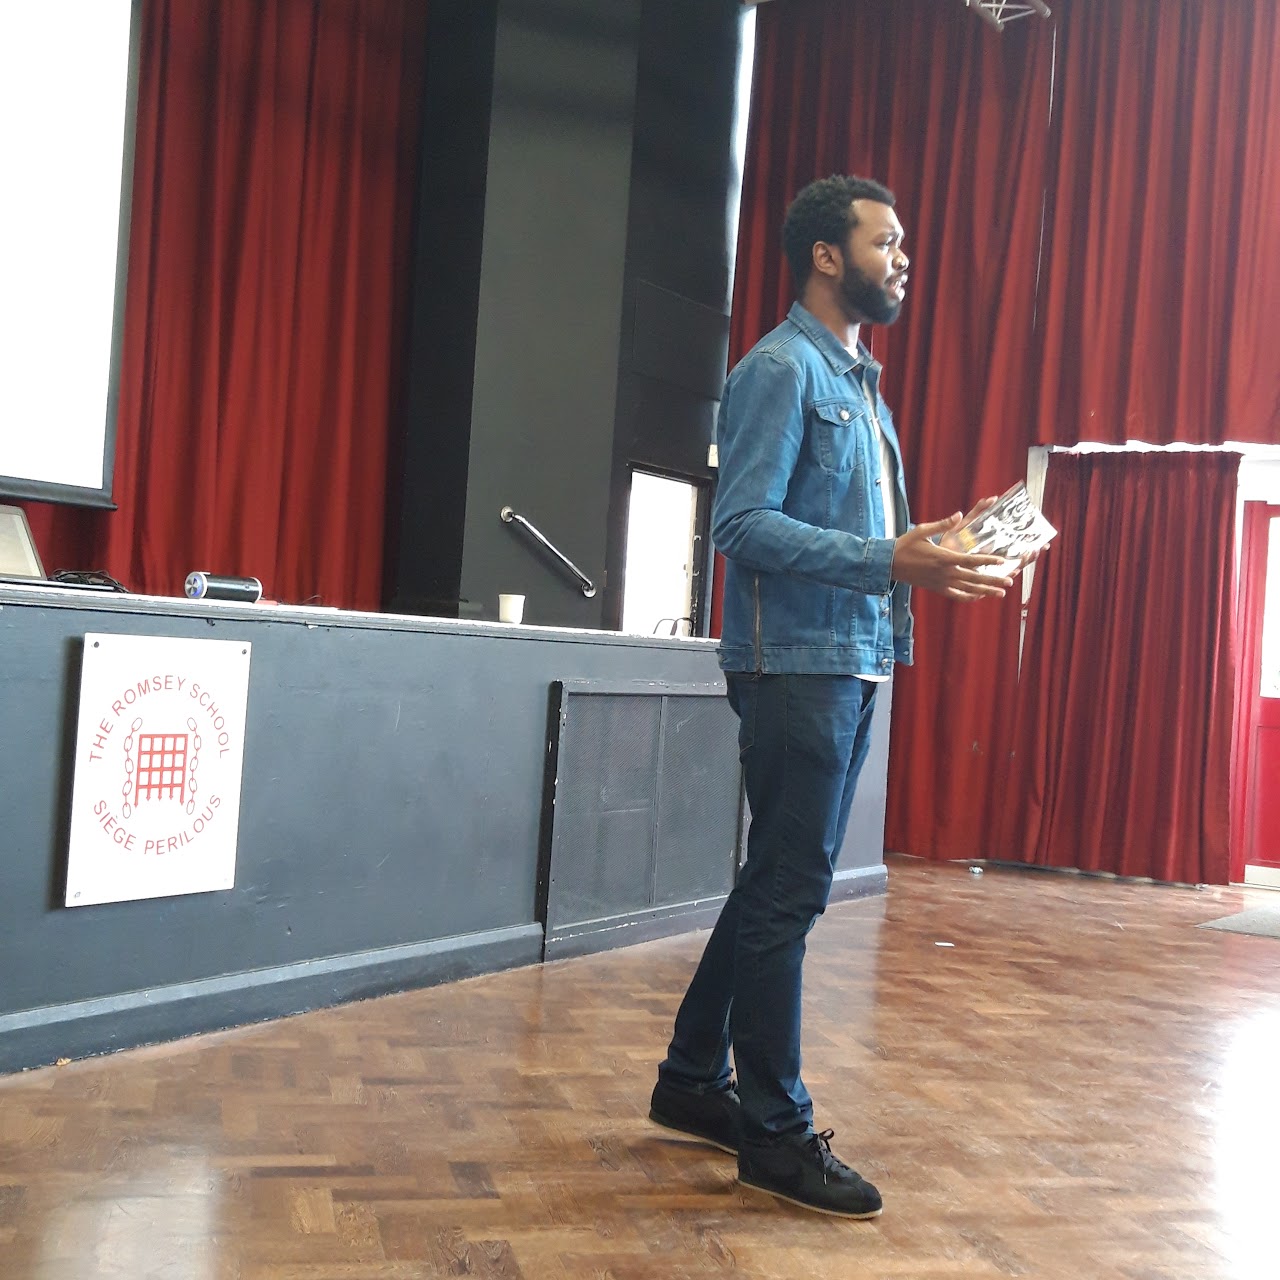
<point x="1012" y="530"/>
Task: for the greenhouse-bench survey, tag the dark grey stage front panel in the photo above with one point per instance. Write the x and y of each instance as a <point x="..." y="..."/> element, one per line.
<point x="392" y="798"/>
<point x="85" y="1027"/>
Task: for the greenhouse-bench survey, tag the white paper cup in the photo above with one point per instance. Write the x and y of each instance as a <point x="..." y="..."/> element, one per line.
<point x="510" y="608"/>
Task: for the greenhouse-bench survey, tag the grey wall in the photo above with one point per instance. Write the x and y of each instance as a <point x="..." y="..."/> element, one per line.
<point x="570" y="290"/>
<point x="546" y="359"/>
<point x="679" y="264"/>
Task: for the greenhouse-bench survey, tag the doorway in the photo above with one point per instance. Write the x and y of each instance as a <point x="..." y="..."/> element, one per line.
<point x="662" y="590"/>
<point x="1259" y="708"/>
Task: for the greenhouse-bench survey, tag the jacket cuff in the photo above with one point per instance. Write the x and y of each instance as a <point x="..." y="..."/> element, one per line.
<point x="877" y="566"/>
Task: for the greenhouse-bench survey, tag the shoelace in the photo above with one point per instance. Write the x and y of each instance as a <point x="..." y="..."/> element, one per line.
<point x="831" y="1163"/>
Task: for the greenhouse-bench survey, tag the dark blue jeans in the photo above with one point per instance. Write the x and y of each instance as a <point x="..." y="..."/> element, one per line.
<point x="803" y="740"/>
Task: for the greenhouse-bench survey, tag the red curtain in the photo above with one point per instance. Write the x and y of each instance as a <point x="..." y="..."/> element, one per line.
<point x="273" y="187"/>
<point x="1161" y="270"/>
<point x="955" y="119"/>
<point x="1127" y="690"/>
<point x="1094" y="269"/>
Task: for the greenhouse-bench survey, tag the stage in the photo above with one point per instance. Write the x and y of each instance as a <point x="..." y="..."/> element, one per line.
<point x="422" y="799"/>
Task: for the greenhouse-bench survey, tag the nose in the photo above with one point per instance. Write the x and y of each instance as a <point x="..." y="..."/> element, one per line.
<point x="900" y="261"/>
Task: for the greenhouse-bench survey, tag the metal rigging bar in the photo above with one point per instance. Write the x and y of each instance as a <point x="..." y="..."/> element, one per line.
<point x="998" y="12"/>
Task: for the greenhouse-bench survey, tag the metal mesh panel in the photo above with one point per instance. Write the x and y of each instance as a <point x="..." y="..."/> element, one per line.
<point x="646" y="812"/>
<point x="606" y="807"/>
<point x="698" y="800"/>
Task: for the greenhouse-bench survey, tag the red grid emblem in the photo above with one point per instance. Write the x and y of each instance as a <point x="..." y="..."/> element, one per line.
<point x="162" y="766"/>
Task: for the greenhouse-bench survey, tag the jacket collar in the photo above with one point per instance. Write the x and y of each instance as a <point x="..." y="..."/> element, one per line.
<point x="833" y="350"/>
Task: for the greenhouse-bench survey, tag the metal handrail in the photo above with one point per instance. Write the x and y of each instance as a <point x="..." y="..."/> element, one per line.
<point x="585" y="585"/>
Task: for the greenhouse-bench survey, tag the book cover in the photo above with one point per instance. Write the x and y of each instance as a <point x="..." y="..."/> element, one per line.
<point x="1012" y="529"/>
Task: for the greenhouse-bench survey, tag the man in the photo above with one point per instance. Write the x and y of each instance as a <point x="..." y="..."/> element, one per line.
<point x="811" y="516"/>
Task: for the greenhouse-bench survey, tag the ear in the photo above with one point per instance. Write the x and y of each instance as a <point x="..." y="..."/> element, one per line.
<point x="827" y="259"/>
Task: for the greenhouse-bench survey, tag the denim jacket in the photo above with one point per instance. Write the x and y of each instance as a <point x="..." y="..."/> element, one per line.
<point x="798" y="515"/>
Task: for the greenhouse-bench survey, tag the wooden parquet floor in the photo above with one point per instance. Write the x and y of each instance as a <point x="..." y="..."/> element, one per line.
<point x="1084" y="1085"/>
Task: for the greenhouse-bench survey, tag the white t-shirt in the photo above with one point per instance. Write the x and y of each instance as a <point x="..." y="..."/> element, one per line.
<point x="888" y="489"/>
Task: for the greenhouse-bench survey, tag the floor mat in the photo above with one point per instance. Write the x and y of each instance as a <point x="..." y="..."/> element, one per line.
<point x="1262" y="921"/>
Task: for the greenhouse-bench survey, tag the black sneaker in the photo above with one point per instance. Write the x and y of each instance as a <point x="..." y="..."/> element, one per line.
<point x="802" y="1170"/>
<point x="714" y="1117"/>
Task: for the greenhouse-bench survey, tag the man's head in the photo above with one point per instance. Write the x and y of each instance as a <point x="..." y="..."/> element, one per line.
<point x="844" y="243"/>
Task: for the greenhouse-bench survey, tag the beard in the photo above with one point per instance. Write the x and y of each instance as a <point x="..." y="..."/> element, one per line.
<point x="868" y="301"/>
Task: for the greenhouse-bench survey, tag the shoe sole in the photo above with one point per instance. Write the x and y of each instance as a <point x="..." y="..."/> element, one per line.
<point x="804" y="1204"/>
<point x="689" y="1133"/>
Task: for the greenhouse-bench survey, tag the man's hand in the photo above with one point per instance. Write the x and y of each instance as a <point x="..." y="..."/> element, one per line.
<point x="949" y="540"/>
<point x="922" y="563"/>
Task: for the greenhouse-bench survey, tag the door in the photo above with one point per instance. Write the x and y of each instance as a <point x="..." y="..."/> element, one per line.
<point x="1260" y="670"/>
<point x="662" y="582"/>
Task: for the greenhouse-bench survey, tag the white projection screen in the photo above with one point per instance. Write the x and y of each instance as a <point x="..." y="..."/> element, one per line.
<point x="68" y="91"/>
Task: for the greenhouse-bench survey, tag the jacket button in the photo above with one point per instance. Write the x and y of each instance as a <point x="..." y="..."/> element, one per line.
<point x="844" y="415"/>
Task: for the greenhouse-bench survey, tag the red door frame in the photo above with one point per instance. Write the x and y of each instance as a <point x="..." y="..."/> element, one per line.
<point x="1249" y="607"/>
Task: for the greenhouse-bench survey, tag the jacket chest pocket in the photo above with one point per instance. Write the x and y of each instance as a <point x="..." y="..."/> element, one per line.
<point x="840" y="432"/>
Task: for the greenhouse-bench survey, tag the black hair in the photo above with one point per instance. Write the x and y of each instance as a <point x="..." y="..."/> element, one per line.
<point x="823" y="211"/>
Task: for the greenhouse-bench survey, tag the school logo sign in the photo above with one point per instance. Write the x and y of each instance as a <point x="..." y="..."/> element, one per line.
<point x="155" y="808"/>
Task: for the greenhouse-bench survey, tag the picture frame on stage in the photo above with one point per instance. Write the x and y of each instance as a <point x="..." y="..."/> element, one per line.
<point x="18" y="555"/>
